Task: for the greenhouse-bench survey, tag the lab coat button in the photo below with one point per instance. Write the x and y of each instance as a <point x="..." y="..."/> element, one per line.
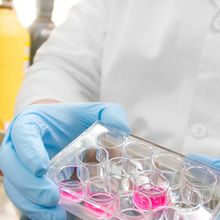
<point x="199" y="130"/>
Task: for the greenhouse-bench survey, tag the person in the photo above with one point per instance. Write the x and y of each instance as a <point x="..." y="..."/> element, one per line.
<point x="157" y="59"/>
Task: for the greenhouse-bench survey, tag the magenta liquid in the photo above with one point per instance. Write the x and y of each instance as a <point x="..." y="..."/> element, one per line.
<point x="72" y="190"/>
<point x="157" y="196"/>
<point x="99" y="202"/>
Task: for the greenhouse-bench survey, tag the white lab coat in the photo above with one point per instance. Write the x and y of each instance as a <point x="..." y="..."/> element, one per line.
<point x="159" y="58"/>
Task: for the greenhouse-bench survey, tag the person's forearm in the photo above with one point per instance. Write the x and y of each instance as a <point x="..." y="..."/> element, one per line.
<point x="68" y="65"/>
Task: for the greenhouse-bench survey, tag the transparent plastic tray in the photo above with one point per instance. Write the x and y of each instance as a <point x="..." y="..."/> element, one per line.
<point x="207" y="211"/>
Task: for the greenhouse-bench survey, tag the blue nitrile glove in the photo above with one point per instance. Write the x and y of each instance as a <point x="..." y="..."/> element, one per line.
<point x="35" y="136"/>
<point x="210" y="161"/>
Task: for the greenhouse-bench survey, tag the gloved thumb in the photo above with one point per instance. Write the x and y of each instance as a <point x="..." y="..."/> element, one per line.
<point x="210" y="161"/>
<point x="114" y="115"/>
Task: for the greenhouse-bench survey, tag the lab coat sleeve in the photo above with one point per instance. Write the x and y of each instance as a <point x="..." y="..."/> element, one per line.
<point x="68" y="66"/>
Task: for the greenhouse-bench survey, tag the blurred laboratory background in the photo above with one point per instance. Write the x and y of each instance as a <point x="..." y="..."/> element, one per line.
<point x="24" y="27"/>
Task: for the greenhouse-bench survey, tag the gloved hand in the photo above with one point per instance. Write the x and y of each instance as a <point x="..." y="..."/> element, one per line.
<point x="210" y="161"/>
<point x="35" y="136"/>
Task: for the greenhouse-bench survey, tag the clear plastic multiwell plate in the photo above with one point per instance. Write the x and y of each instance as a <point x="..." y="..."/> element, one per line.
<point x="187" y="186"/>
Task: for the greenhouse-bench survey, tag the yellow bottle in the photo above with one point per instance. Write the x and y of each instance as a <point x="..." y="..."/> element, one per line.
<point x="14" y="58"/>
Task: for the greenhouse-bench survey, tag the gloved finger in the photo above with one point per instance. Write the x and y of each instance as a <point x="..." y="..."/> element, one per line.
<point x="109" y="113"/>
<point x="30" y="209"/>
<point x="210" y="161"/>
<point x="115" y="115"/>
<point x="26" y="135"/>
<point x="40" y="190"/>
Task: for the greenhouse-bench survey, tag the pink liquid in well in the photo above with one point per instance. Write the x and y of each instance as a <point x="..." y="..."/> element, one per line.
<point x="99" y="202"/>
<point x="141" y="201"/>
<point x="157" y="196"/>
<point x="73" y="191"/>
